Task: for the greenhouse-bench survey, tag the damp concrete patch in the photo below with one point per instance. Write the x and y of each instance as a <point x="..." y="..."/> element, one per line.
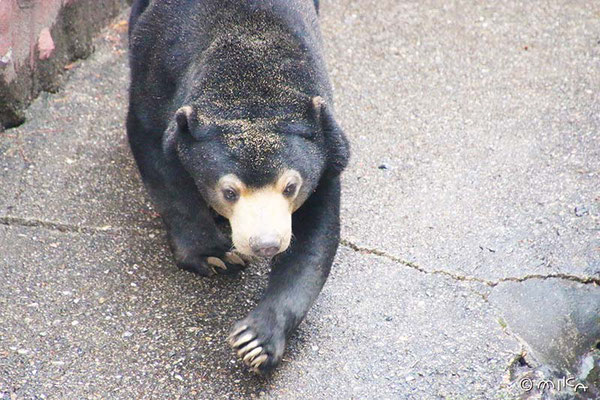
<point x="558" y="321"/>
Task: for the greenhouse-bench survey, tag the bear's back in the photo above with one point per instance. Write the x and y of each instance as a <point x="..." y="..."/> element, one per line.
<point x="247" y="56"/>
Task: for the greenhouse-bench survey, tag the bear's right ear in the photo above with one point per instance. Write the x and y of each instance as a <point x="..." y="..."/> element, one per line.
<point x="187" y="124"/>
<point x="337" y="146"/>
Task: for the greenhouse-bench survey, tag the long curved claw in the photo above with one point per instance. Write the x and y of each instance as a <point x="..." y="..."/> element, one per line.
<point x="258" y="361"/>
<point x="243" y="339"/>
<point x="234" y="259"/>
<point x="253" y="344"/>
<point x="236" y="332"/>
<point x="216" y="262"/>
<point x="248" y="357"/>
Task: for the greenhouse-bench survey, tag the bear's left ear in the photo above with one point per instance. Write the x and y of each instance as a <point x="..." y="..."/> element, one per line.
<point x="337" y="146"/>
<point x="184" y="118"/>
<point x="189" y="126"/>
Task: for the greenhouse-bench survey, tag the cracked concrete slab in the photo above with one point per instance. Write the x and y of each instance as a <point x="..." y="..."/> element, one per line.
<point x="474" y="131"/>
<point x="108" y="315"/>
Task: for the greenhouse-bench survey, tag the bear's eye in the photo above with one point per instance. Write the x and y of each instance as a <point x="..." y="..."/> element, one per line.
<point x="289" y="190"/>
<point x="230" y="195"/>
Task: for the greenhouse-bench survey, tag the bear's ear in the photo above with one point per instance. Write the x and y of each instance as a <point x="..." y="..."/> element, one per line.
<point x="187" y="124"/>
<point x="337" y="146"/>
<point x="183" y="116"/>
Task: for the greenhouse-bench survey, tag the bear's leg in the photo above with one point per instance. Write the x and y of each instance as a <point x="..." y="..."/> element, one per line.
<point x="196" y="242"/>
<point x="296" y="279"/>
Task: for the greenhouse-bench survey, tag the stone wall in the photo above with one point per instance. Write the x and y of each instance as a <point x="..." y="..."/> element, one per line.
<point x="38" y="38"/>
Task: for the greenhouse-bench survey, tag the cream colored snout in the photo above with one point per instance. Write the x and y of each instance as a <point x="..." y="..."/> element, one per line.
<point x="260" y="218"/>
<point x="261" y="224"/>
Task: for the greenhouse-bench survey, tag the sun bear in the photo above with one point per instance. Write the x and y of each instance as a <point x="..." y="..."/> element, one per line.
<point x="230" y="116"/>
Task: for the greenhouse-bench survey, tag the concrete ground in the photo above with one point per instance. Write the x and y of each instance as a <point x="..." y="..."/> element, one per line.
<point x="470" y="261"/>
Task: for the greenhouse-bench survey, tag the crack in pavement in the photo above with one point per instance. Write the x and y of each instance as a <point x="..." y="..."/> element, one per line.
<point x="107" y="229"/>
<point x="464" y="278"/>
<point x="381" y="253"/>
<point x="72" y="228"/>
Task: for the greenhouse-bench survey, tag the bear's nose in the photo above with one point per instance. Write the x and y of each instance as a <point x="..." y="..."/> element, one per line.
<point x="265" y="246"/>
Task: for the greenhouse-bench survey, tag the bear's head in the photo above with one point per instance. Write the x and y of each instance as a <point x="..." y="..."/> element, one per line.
<point x="257" y="171"/>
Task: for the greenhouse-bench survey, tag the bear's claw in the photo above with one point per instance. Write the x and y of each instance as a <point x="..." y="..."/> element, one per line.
<point x="243" y="339"/>
<point x="208" y="266"/>
<point x="250" y="346"/>
<point x="250" y="355"/>
<point x="216" y="262"/>
<point x="234" y="259"/>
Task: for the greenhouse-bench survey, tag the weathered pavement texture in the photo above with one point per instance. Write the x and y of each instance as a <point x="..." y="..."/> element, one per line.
<point x="470" y="259"/>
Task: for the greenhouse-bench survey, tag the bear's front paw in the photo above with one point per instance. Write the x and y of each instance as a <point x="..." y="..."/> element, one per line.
<point x="258" y="342"/>
<point x="228" y="264"/>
